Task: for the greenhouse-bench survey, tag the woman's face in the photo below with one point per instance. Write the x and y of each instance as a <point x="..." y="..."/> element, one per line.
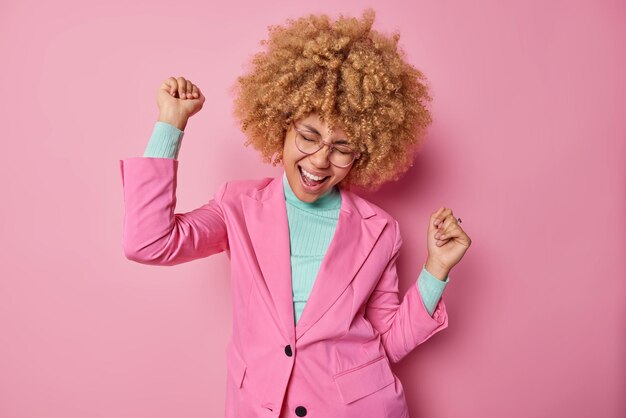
<point x="317" y="164"/>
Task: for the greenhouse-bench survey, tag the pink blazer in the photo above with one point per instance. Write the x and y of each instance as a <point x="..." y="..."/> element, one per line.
<point x="336" y="361"/>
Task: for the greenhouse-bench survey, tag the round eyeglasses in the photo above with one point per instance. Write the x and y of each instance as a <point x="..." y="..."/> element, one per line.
<point x="339" y="155"/>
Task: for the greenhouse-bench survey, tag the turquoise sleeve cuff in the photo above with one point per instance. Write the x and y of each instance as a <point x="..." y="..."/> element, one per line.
<point x="431" y="289"/>
<point x="164" y="142"/>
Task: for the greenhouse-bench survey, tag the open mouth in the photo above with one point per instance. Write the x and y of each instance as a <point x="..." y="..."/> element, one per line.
<point x="310" y="182"/>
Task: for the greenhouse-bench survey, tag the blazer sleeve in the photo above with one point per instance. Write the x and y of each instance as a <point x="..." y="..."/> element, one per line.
<point x="402" y="325"/>
<point x="153" y="233"/>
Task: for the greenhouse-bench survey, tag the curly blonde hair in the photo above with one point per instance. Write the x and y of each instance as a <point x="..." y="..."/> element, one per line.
<point x="353" y="77"/>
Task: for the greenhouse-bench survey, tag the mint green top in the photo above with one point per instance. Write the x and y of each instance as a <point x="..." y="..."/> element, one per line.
<point x="311" y="228"/>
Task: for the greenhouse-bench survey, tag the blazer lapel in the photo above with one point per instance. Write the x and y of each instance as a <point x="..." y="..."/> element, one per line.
<point x="268" y="227"/>
<point x="355" y="236"/>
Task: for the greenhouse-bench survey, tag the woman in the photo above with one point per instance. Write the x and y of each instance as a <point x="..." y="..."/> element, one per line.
<point x="317" y="317"/>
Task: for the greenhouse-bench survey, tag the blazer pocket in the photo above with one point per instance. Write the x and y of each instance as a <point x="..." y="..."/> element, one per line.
<point x="236" y="365"/>
<point x="364" y="380"/>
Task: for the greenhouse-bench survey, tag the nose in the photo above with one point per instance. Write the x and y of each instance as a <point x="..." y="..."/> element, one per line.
<point x="320" y="158"/>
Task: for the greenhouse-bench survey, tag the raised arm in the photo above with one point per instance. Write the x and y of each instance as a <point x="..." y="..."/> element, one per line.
<point x="153" y="232"/>
<point x="403" y="324"/>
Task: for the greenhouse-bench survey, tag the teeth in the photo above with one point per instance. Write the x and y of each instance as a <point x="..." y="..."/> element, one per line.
<point x="311" y="176"/>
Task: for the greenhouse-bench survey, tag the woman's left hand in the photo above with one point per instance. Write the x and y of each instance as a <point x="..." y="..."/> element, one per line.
<point x="447" y="242"/>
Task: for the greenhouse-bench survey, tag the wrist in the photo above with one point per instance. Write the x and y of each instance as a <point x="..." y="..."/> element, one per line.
<point x="173" y="119"/>
<point x="436" y="269"/>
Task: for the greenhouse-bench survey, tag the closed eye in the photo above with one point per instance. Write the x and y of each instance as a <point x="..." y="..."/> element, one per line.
<point x="343" y="149"/>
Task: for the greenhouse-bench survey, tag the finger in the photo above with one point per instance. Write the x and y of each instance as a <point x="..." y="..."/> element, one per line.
<point x="182" y="85"/>
<point x="448" y="221"/>
<point x="194" y="92"/>
<point x="441" y="216"/>
<point x="188" y="86"/>
<point x="439" y="233"/>
<point x="451" y="232"/>
<point x="171" y="85"/>
<point x="440" y="242"/>
<point x="435" y="216"/>
<point x="448" y="228"/>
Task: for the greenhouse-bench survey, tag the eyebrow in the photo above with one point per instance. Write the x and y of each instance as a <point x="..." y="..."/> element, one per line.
<point x="313" y="130"/>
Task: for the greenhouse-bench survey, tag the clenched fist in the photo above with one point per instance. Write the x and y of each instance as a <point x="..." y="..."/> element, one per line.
<point x="178" y="99"/>
<point x="447" y="242"/>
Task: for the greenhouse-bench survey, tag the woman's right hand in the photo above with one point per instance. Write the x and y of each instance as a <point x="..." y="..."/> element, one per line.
<point x="178" y="99"/>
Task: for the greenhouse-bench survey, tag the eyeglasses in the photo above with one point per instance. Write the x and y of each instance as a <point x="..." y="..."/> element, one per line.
<point x="339" y="155"/>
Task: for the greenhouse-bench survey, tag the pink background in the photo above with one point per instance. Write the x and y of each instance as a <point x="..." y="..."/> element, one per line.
<point x="527" y="147"/>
